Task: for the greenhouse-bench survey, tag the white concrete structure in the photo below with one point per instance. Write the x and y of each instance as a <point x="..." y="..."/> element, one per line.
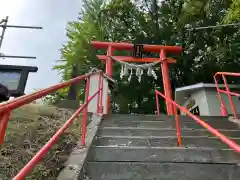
<point x="202" y="99"/>
<point x="94" y="86"/>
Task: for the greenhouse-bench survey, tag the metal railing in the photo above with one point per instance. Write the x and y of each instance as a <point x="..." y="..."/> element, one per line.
<point x="212" y="130"/>
<point x="224" y="111"/>
<point x="6" y="108"/>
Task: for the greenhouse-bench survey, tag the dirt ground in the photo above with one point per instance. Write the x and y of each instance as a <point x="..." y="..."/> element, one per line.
<point x="29" y="128"/>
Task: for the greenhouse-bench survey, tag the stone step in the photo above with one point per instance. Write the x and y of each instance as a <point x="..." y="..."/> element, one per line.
<point x="160" y="171"/>
<point x="168" y="124"/>
<point x="118" y="131"/>
<point x="119" y="117"/>
<point x="143" y="147"/>
<point x="166" y="118"/>
<point x="129" y="117"/>
<point x="162" y="141"/>
<point x="162" y="154"/>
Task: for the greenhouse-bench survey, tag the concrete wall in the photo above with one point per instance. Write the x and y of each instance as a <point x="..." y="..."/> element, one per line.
<point x="92" y="107"/>
<point x="209" y="104"/>
<point x="214" y="103"/>
<point x="200" y="100"/>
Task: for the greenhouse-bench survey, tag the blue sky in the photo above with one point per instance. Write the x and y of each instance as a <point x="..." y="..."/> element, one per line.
<point x="53" y="16"/>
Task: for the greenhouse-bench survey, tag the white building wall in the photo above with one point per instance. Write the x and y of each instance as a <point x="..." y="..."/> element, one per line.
<point x="199" y="96"/>
<point x="214" y="103"/>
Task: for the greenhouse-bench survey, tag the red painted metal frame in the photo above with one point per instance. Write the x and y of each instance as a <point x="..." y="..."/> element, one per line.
<point x="109" y="64"/>
<point x="18" y="102"/>
<point x="85" y="113"/>
<point x="6" y="108"/>
<point x="227" y="92"/>
<point x="40" y="154"/>
<point x="98" y="98"/>
<point x="100" y="108"/>
<point x="212" y="130"/>
<point x="100" y="86"/>
<point x="178" y="131"/>
<point x="128" y="46"/>
<point x="132" y="59"/>
<point x="166" y="82"/>
<point x="3" y="125"/>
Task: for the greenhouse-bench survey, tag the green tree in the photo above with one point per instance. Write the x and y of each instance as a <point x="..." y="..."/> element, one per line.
<point x="170" y="23"/>
<point x="78" y="52"/>
<point x="233" y="12"/>
<point x="232" y="16"/>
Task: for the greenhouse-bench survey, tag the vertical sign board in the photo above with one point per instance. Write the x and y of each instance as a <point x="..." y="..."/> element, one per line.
<point x="94" y="84"/>
<point x="138" y="50"/>
<point x="193" y="107"/>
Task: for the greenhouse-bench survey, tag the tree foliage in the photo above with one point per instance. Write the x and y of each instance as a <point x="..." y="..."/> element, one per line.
<point x="171" y="22"/>
<point x="233" y="12"/>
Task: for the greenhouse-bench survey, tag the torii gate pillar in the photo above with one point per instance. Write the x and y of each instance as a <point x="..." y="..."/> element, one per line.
<point x="110" y="46"/>
<point x="166" y="82"/>
<point x="109" y="64"/>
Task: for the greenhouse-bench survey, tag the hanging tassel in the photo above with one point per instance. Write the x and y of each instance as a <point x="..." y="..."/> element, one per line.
<point x="125" y="70"/>
<point x="149" y="72"/>
<point x="122" y="72"/>
<point x="154" y="74"/>
<point x="138" y="73"/>
<point x="130" y="76"/>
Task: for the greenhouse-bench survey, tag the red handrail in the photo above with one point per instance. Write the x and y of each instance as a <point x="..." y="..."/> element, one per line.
<point x="227" y="91"/>
<point x="22" y="100"/>
<point x="6" y="108"/>
<point x="215" y="132"/>
<point x="84" y="122"/>
<point x="33" y="162"/>
<point x="178" y="131"/>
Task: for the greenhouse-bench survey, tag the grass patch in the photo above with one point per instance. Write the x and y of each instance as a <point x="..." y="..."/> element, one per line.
<point x="29" y="128"/>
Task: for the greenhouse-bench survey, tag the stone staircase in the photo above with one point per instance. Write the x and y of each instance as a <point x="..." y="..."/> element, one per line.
<point x="142" y="147"/>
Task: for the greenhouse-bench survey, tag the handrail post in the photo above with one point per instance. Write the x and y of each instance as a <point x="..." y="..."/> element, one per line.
<point x="33" y="162"/>
<point x="212" y="130"/>
<point x="178" y="131"/>
<point x="223" y="108"/>
<point x="229" y="97"/>
<point x="100" y="94"/>
<point x="157" y="104"/>
<point x="3" y="125"/>
<point x="85" y="113"/>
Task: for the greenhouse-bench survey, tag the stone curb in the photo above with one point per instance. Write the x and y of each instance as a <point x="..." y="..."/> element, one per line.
<point x="77" y="158"/>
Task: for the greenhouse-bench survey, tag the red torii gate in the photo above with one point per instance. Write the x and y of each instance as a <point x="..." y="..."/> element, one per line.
<point x="111" y="47"/>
